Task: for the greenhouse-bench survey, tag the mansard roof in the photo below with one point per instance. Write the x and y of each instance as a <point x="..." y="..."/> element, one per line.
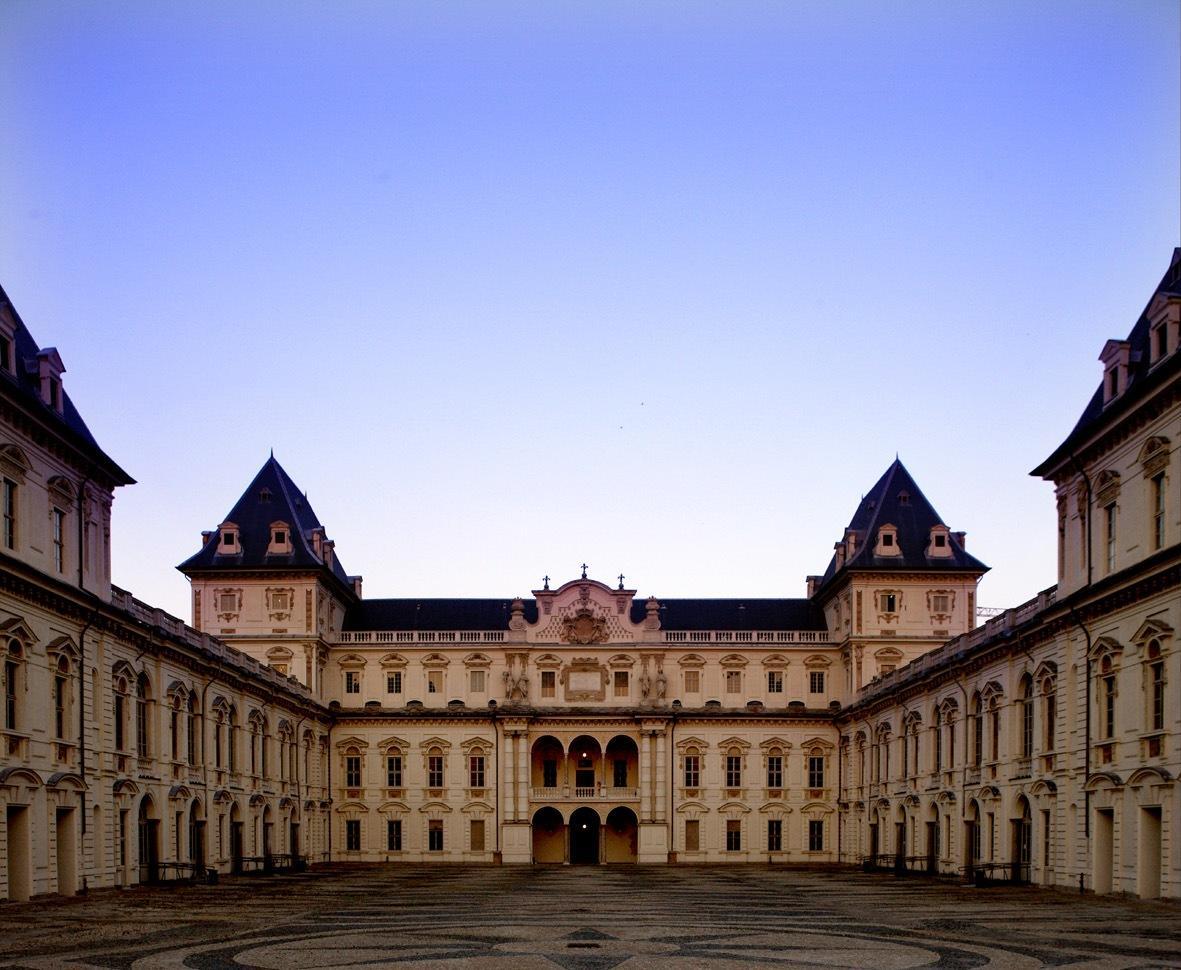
<point x="271" y="497"/>
<point x="897" y="500"/>
<point x="675" y="614"/>
<point x="1142" y="377"/>
<point x="25" y="386"/>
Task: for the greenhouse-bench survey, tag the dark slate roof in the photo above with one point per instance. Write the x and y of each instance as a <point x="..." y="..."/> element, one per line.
<point x="735" y="614"/>
<point x="897" y="500"/>
<point x="25" y="384"/>
<point x="433" y="614"/>
<point x="271" y="497"/>
<point x="1141" y="379"/>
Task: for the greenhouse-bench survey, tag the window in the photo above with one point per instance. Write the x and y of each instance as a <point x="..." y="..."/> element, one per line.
<point x="232" y="741"/>
<point x="11" y="673"/>
<point x="816" y="770"/>
<point x="227" y="539"/>
<point x="477" y="681"/>
<point x="218" y="730"/>
<point x="1156" y="683"/>
<point x="227" y="602"/>
<point x="549" y="683"/>
<point x="1157" y="498"/>
<point x="887" y="539"/>
<point x="352" y="835"/>
<point x="940" y="540"/>
<point x="393" y="835"/>
<point x="9" y="514"/>
<point x="888" y="602"/>
<point x="476" y="771"/>
<point x="693" y="770"/>
<point x="191" y="730"/>
<point x="733" y="681"/>
<point x="477" y="834"/>
<point x="774" y="681"/>
<point x="816" y="682"/>
<point x="940" y="601"/>
<point x="733" y="835"/>
<point x="352" y="769"/>
<point x="393" y="682"/>
<point x="1027" y="717"/>
<point x="59" y="540"/>
<point x="619" y="773"/>
<point x="434" y="834"/>
<point x="60" y="688"/>
<point x="621" y="683"/>
<point x="280" y="600"/>
<point x="692" y="835"/>
<point x="1109" y="536"/>
<point x="434" y="681"/>
<point x="815" y="835"/>
<point x="1108" y="699"/>
<point x="734" y="769"/>
<point x="774" y="835"/>
<point x="174" y="734"/>
<point x="549" y="773"/>
<point x="937" y="737"/>
<point x="775" y="770"/>
<point x="434" y="769"/>
<point x="142" y="738"/>
<point x="393" y="771"/>
<point x="352" y="681"/>
<point x="692" y="681"/>
<point x="5" y="354"/>
<point x="994" y="716"/>
<point x="279" y="537"/>
<point x="1050" y="708"/>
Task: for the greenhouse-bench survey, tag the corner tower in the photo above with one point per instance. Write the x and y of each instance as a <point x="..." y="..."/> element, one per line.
<point x="268" y="580"/>
<point x="900" y="582"/>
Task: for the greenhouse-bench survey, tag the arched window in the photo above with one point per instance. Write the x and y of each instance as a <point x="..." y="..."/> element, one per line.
<point x="1026" y="701"/>
<point x="994" y="719"/>
<point x="61" y="698"/>
<point x="232" y="739"/>
<point x="977" y="732"/>
<point x="476" y="768"/>
<point x="352" y="768"/>
<point x="937" y="738"/>
<point x="14" y="658"/>
<point x="434" y="768"/>
<point x="143" y="735"/>
<point x="775" y="768"/>
<point x="191" y="730"/>
<point x="733" y="768"/>
<point x="120" y="713"/>
<point x="692" y="768"/>
<point x="174" y="715"/>
<point x="1156" y="686"/>
<point x="1049" y="713"/>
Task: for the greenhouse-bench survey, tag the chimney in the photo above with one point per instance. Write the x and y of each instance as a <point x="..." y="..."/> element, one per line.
<point x="840" y="550"/>
<point x="206" y="536"/>
<point x="962" y="539"/>
<point x="318" y="542"/>
<point x="813" y="585"/>
<point x="328" y="547"/>
<point x="356" y="581"/>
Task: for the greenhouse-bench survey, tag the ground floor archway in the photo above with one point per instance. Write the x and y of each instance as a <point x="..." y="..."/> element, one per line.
<point x="549" y="835"/>
<point x="584" y="837"/>
<point x="621" y="835"/>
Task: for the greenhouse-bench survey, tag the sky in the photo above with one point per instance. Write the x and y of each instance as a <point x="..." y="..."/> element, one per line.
<point x="659" y="287"/>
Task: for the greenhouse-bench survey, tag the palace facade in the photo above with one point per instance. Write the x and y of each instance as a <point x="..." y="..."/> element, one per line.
<point x="871" y="721"/>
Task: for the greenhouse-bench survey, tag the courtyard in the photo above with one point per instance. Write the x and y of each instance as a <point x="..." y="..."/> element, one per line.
<point x="587" y="918"/>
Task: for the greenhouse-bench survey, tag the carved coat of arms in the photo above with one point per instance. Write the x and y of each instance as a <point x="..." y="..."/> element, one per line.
<point x="583" y="627"/>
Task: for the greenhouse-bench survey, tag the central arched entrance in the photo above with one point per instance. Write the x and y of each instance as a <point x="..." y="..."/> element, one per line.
<point x="549" y="836"/>
<point x="584" y="837"/>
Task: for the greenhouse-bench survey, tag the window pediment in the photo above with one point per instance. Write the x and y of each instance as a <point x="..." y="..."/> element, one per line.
<point x="691" y="660"/>
<point x="735" y="742"/>
<point x="352" y="741"/>
<point x="435" y="660"/>
<point x="393" y="660"/>
<point x="734" y="660"/>
<point x="477" y="660"/>
<point x="1154" y="455"/>
<point x="435" y="742"/>
<point x="351" y="661"/>
<point x="776" y="660"/>
<point x="1152" y="629"/>
<point x="775" y="742"/>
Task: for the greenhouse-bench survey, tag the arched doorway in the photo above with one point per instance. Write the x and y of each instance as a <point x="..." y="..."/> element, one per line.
<point x="933" y="838"/>
<point x="584" y="765"/>
<point x="197" y="834"/>
<point x="620" y="835"/>
<point x="1022" y="840"/>
<point x="235" y="839"/>
<point x="971" y="838"/>
<point x="584" y="837"/>
<point x="549" y="836"/>
<point x="268" y="836"/>
<point x="149" y="841"/>
<point x="900" y="839"/>
<point x="623" y="766"/>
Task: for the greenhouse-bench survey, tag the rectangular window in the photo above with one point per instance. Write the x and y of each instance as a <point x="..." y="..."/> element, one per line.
<point x="549" y="683"/>
<point x="393" y="682"/>
<point x="1158" y="510"/>
<point x="816" y="835"/>
<point x="191" y="735"/>
<point x="889" y="602"/>
<point x="10" y="701"/>
<point x="733" y="681"/>
<point x="733" y="771"/>
<point x="816" y="771"/>
<point x="816" y="682"/>
<point x="621" y="683"/>
<point x="939" y="603"/>
<point x="477" y="681"/>
<point x="434" y="835"/>
<point x="173" y="734"/>
<point x="774" y="835"/>
<point x="549" y="773"/>
<point x="141" y="727"/>
<point x="227" y="603"/>
<point x="692" y="771"/>
<point x="938" y="739"/>
<point x="352" y="682"/>
<point x="434" y="771"/>
<point x="619" y="773"/>
<point x="1109" y="536"/>
<point x="733" y="835"/>
<point x="434" y="681"/>
<point x="393" y="771"/>
<point x="1109" y="707"/>
<point x="774" y="771"/>
<point x="352" y="771"/>
<point x="9" y="514"/>
<point x="352" y="835"/>
<point x="692" y="681"/>
<point x="393" y="835"/>
<point x="1157" y="674"/>
<point x="1051" y="702"/>
<point x="1046" y="843"/>
<point x="476" y="771"/>
<point x="774" y="681"/>
<point x="59" y="540"/>
<point x="692" y="835"/>
<point x="59" y="708"/>
<point x="477" y="829"/>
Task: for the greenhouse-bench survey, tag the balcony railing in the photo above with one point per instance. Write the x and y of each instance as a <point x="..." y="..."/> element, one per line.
<point x="420" y="636"/>
<point x="745" y="636"/>
<point x="567" y="793"/>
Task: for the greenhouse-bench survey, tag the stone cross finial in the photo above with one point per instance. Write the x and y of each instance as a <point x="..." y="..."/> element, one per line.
<point x="545" y="579"/>
<point x="621" y="578"/>
<point x="584" y="570"/>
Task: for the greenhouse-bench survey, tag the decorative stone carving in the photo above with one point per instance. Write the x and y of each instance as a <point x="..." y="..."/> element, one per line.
<point x="583" y="627"/>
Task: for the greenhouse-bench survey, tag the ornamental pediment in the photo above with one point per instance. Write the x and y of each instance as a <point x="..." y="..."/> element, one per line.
<point x="583" y="612"/>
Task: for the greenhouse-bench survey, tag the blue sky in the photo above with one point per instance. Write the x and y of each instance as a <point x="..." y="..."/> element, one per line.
<point x="659" y="287"/>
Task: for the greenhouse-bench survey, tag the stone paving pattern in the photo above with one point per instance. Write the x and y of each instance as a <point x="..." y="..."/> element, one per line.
<point x="588" y="919"/>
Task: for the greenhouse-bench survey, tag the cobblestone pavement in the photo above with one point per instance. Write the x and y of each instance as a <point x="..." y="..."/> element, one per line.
<point x="477" y="917"/>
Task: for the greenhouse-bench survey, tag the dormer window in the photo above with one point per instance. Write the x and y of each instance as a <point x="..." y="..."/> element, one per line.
<point x="939" y="545"/>
<point x="280" y="544"/>
<point x="1115" y="357"/>
<point x="227" y="539"/>
<point x="7" y="342"/>
<point x="888" y="542"/>
<point x="5" y="353"/>
<point x="50" y="369"/>
<point x="1159" y="342"/>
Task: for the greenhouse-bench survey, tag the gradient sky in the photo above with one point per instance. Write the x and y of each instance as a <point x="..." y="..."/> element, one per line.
<point x="662" y="287"/>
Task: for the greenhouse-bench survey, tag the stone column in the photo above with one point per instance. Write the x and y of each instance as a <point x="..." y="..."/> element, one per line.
<point x="660" y="785"/>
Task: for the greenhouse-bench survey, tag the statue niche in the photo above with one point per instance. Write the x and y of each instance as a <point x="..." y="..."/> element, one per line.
<point x="583" y="627"/>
